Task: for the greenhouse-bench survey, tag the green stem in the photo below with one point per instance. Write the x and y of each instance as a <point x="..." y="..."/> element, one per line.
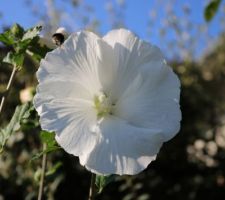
<point x="92" y="191"/>
<point x="8" y="87"/>
<point x="43" y="167"/>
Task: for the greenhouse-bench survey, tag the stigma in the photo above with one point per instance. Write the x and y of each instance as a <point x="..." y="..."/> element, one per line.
<point x="103" y="105"/>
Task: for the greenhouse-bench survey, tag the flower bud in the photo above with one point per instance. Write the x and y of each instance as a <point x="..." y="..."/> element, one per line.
<point x="59" y="36"/>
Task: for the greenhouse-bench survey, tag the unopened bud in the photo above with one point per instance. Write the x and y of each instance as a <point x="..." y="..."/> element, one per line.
<point x="59" y="36"/>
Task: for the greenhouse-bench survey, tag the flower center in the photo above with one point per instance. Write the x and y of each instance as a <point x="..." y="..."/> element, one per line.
<point x="103" y="105"/>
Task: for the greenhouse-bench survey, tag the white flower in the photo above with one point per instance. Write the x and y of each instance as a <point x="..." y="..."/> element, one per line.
<point x="112" y="101"/>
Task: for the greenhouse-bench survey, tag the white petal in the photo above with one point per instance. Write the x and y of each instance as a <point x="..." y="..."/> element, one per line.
<point x="146" y="89"/>
<point x="76" y="60"/>
<point x="129" y="47"/>
<point x="49" y="91"/>
<point x="152" y="101"/>
<point x="122" y="148"/>
<point x="129" y="53"/>
<point x="71" y="120"/>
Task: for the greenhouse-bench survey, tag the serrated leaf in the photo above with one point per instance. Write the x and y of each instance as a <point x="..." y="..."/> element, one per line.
<point x="14" y="124"/>
<point x="30" y="38"/>
<point x="211" y="9"/>
<point x="48" y="138"/>
<point x="102" y="181"/>
<point x="23" y="42"/>
<point x="15" y="59"/>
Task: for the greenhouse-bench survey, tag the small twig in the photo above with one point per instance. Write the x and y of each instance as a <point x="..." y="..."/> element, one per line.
<point x="43" y="167"/>
<point x="92" y="191"/>
<point x="8" y="87"/>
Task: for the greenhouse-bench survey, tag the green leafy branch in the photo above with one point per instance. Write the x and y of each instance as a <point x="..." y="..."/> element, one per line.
<point x="23" y="42"/>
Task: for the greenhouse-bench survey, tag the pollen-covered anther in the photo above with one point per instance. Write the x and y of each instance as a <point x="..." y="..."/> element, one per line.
<point x="103" y="105"/>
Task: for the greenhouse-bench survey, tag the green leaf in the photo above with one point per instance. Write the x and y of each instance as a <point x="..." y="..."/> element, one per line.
<point x="15" y="59"/>
<point x="37" y="175"/>
<point x="53" y="169"/>
<point x="48" y="150"/>
<point x="102" y="181"/>
<point x="38" y="51"/>
<point x="30" y="38"/>
<point x="11" y="36"/>
<point x="23" y="42"/>
<point x="14" y="125"/>
<point x="17" y="31"/>
<point x="20" y="40"/>
<point x="31" y="121"/>
<point x="32" y="33"/>
<point x="49" y="139"/>
<point x="7" y="38"/>
<point x="211" y="9"/>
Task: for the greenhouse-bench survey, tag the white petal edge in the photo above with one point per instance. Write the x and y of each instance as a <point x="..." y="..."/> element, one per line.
<point x="122" y="148"/>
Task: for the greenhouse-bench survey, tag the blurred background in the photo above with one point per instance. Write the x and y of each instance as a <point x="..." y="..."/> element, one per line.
<point x="189" y="167"/>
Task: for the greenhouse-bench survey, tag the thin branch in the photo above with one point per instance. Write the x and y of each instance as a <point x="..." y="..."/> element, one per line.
<point x="8" y="87"/>
<point x="43" y="168"/>
<point x="92" y="191"/>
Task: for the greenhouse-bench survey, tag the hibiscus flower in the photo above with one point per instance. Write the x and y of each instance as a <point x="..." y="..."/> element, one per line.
<point x="112" y="101"/>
